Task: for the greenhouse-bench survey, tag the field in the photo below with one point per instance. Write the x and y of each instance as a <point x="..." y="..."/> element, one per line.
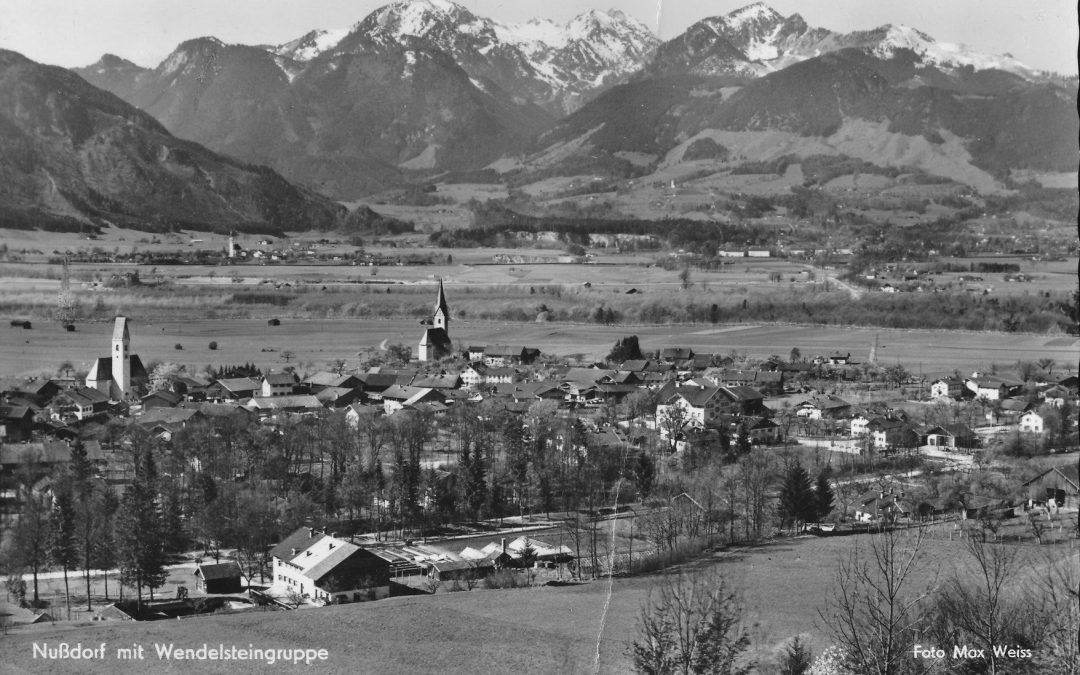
<point x="532" y="630"/>
<point x="316" y="342"/>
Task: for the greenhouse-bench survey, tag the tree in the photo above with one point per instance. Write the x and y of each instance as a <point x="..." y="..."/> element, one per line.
<point x="980" y="608"/>
<point x="796" y="355"/>
<point x="288" y="355"/>
<point x="873" y="615"/>
<point x="797" y="657"/>
<point x="684" y="277"/>
<point x="691" y="623"/>
<point x="62" y="544"/>
<point x="823" y="497"/>
<point x="26" y="540"/>
<point x="399" y="354"/>
<point x="798" y="503"/>
<point x="140" y="545"/>
<point x="644" y="474"/>
<point x="625" y="349"/>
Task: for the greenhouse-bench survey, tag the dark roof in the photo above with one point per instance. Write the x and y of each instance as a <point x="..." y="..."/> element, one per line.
<point x="227" y="570"/>
<point x="170" y="397"/>
<point x="695" y="396"/>
<point x="279" y="378"/>
<point x="166" y="416"/>
<point x="238" y="384"/>
<point x="300" y="539"/>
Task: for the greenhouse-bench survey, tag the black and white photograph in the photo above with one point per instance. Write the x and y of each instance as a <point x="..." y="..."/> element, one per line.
<point x="587" y="336"/>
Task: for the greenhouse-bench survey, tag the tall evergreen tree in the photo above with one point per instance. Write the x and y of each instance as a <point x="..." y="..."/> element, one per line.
<point x="140" y="545"/>
<point x="823" y="497"/>
<point x="62" y="544"/>
<point x="797" y="499"/>
<point x="476" y="484"/>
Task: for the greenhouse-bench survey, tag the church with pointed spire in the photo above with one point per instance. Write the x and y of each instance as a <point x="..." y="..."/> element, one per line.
<point x="120" y="374"/>
<point x="435" y="343"/>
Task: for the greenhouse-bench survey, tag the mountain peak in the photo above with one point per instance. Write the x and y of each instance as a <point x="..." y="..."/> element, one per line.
<point x="757" y="12"/>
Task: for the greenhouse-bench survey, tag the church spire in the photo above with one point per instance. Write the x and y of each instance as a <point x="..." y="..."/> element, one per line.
<point x="442" y="313"/>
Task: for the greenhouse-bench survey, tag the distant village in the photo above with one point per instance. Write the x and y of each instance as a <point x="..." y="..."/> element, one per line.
<point x="673" y="402"/>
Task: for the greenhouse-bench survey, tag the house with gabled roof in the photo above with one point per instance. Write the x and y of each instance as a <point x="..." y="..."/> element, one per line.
<point x="1059" y="484"/>
<point x="77" y="404"/>
<point x="233" y="389"/>
<point x="223" y="577"/>
<point x="278" y="384"/>
<point x="700" y="404"/>
<point x="323" y="568"/>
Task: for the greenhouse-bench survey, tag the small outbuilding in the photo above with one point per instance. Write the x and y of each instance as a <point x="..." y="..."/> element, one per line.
<point x="220" y="578"/>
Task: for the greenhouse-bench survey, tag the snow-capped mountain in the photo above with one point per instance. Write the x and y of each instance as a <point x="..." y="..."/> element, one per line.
<point x="552" y="65"/>
<point x="756" y="40"/>
<point x="310" y="45"/>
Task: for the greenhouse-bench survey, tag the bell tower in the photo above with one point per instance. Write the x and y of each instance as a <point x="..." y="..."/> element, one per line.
<point x="121" y="353"/>
<point x="441" y="317"/>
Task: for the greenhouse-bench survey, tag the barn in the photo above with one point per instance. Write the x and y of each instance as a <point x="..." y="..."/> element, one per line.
<point x="1060" y="484"/>
<point x="221" y="578"/>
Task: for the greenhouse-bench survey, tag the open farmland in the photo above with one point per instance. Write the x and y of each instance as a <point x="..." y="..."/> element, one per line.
<point x="315" y="342"/>
<point x="533" y="630"/>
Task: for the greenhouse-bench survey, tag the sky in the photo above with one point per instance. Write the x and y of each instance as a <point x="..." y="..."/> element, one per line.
<point x="1041" y="33"/>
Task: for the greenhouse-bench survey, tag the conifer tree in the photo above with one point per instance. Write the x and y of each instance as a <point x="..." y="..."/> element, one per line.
<point x="140" y="545"/>
<point x="62" y="545"/>
<point x="798" y="502"/>
<point x="823" y="497"/>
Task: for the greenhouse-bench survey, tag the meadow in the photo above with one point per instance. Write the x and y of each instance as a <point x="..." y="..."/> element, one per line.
<point x="315" y="343"/>
<point x="534" y="630"/>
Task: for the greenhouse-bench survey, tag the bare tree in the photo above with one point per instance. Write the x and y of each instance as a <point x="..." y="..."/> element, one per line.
<point x="982" y="605"/>
<point x="873" y="614"/>
<point x="1057" y="585"/>
<point x="691" y="623"/>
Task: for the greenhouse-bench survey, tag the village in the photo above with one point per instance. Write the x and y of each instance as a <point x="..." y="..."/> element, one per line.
<point x="477" y="464"/>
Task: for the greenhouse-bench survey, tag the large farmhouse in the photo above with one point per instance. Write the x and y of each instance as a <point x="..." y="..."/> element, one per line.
<point x="320" y="567"/>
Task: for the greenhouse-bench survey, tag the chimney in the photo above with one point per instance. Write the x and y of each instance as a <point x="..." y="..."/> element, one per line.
<point x="310" y="532"/>
<point x="503" y="542"/>
<point x="295" y="551"/>
<point x="333" y="535"/>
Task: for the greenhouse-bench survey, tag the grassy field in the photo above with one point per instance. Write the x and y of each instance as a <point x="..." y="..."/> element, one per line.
<point x="532" y="630"/>
<point x="316" y="342"/>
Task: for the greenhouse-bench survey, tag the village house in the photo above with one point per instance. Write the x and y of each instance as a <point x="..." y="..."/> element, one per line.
<point x="1031" y="422"/>
<point x="233" y="389"/>
<point x="162" y="398"/>
<point x="44" y="455"/>
<point x="278" y="384"/>
<point x="267" y="406"/>
<point x="77" y="404"/>
<point x="323" y="380"/>
<point x="881" y="506"/>
<point x="991" y="387"/>
<point x="500" y="356"/>
<point x="220" y="578"/>
<point x="823" y="407"/>
<point x="947" y="387"/>
<point x="321" y="567"/>
<point x="1059" y="485"/>
<point x="699" y="404"/>
<point x="16" y="423"/>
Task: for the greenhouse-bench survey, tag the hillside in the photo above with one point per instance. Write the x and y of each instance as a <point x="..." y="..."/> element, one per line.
<point x="1000" y="122"/>
<point x="74" y="155"/>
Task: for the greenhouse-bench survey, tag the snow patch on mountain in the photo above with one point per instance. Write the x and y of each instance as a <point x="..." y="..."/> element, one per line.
<point x="312" y="44"/>
<point x="944" y="53"/>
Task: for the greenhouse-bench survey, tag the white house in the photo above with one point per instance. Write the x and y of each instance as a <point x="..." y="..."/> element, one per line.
<point x="699" y="404"/>
<point x="1031" y="422"/>
<point x="946" y="387"/>
<point x="860" y="425"/>
<point x="320" y="567"/>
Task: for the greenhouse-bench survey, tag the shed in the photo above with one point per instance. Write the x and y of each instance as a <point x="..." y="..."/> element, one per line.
<point x="220" y="578"/>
